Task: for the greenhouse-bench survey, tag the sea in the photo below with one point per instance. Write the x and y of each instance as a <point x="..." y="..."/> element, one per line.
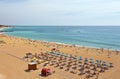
<point x="107" y="37"/>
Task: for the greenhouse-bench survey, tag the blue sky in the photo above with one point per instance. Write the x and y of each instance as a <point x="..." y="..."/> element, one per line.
<point x="60" y="12"/>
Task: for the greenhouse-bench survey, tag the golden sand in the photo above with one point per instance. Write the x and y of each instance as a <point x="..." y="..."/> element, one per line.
<point x="12" y="66"/>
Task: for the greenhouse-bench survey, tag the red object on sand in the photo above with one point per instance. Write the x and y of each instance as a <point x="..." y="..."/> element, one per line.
<point x="53" y="48"/>
<point x="46" y="72"/>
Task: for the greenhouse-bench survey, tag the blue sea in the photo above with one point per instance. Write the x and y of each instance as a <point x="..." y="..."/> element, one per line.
<point x="89" y="36"/>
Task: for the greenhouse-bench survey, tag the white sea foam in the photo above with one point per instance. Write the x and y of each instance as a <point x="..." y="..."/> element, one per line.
<point x="1" y="29"/>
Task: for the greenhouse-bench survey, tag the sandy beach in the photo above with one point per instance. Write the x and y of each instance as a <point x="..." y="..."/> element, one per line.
<point x="59" y="39"/>
<point x="13" y="49"/>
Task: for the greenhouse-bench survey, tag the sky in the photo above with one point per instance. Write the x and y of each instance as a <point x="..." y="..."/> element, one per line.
<point x="60" y="12"/>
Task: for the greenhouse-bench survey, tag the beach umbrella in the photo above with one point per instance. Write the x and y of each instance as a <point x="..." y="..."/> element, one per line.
<point x="80" y="58"/>
<point x="91" y="63"/>
<point x="80" y="64"/>
<point x="70" y="56"/>
<point x="103" y="63"/>
<point x="61" y="67"/>
<point x="87" y="71"/>
<point x="105" y="66"/>
<point x="75" y="58"/>
<point x="91" y="59"/>
<point x="93" y="73"/>
<point x="66" y="55"/>
<point x="81" y="71"/>
<point x="67" y="69"/>
<point x="98" y="64"/>
<point x="97" y="61"/>
<point x="57" y="64"/>
<point x="111" y="64"/>
<point x="86" y="60"/>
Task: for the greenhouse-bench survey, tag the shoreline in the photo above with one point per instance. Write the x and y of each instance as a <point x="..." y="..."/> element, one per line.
<point x="59" y="43"/>
<point x="3" y="28"/>
<point x="66" y="45"/>
<point x="74" y="45"/>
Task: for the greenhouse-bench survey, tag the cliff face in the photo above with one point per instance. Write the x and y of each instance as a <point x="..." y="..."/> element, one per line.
<point x="4" y="26"/>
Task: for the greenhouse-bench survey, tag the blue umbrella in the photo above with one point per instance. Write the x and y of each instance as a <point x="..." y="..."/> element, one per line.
<point x="80" y="58"/>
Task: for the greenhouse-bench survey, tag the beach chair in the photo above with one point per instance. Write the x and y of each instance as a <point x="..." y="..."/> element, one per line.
<point x="89" y="75"/>
<point x="74" y="71"/>
<point x="80" y="65"/>
<point x="80" y="58"/>
<point x="57" y="65"/>
<point x="67" y="69"/>
<point x="39" y="61"/>
<point x="105" y="66"/>
<point x="33" y="59"/>
<point x="92" y="63"/>
<point x="102" y="69"/>
<point x="92" y="73"/>
<point x="69" y="65"/>
<point x="87" y="66"/>
<point x="61" y="67"/>
<point x="94" y="68"/>
<point x="81" y="72"/>
<point x="75" y="67"/>
<point x="86" y="61"/>
<point x="90" y="60"/>
<point x="98" y="65"/>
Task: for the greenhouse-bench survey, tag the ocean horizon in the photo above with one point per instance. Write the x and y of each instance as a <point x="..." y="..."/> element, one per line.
<point x="89" y="36"/>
